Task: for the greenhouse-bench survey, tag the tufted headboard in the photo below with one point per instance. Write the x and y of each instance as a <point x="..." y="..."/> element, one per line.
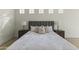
<point x="39" y="23"/>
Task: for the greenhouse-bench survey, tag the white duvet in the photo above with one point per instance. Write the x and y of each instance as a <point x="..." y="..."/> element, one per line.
<point x="35" y="41"/>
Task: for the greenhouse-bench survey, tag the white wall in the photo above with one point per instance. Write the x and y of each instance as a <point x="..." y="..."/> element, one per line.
<point x="7" y="22"/>
<point x="68" y="21"/>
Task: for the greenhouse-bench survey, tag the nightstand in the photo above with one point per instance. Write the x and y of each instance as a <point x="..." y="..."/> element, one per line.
<point x="60" y="32"/>
<point x="22" y="32"/>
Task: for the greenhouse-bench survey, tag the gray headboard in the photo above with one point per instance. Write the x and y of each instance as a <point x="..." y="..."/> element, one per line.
<point x="39" y="23"/>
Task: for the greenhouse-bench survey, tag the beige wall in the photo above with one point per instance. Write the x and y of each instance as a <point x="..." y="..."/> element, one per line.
<point x="68" y="21"/>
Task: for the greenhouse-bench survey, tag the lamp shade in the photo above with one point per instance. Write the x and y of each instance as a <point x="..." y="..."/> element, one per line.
<point x="24" y="23"/>
<point x="56" y="27"/>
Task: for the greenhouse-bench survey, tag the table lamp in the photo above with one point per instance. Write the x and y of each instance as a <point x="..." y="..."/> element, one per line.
<point x="24" y="25"/>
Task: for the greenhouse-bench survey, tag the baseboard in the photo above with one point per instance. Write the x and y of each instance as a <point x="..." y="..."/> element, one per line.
<point x="13" y="38"/>
<point x="71" y="38"/>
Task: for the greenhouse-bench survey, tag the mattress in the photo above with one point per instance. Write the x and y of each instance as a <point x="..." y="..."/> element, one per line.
<point x="35" y="41"/>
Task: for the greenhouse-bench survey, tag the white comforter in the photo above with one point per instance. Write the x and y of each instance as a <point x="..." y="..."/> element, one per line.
<point x="35" y="41"/>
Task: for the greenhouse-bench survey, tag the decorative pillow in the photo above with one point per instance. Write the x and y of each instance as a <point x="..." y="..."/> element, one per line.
<point x="48" y="29"/>
<point x="41" y="30"/>
<point x="34" y="29"/>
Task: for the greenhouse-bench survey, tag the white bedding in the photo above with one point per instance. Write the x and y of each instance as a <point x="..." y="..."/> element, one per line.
<point x="35" y="41"/>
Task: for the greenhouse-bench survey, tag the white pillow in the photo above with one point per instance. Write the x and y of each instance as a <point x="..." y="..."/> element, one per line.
<point x="34" y="28"/>
<point x="41" y="30"/>
<point x="48" y="29"/>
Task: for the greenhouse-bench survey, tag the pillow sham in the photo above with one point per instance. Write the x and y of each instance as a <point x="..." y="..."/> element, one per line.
<point x="48" y="29"/>
<point x="34" y="29"/>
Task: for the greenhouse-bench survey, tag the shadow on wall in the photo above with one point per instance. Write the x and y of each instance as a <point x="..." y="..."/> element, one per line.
<point x="3" y="22"/>
<point x="6" y="27"/>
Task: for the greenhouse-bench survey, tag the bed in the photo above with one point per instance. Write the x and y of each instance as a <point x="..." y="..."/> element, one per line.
<point x="35" y="41"/>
